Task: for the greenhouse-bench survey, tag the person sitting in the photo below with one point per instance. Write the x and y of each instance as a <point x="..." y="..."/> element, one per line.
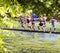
<point x="42" y="23"/>
<point x="32" y="23"/>
<point x="21" y="20"/>
<point x="34" y="16"/>
<point x="28" y="21"/>
<point x="40" y="27"/>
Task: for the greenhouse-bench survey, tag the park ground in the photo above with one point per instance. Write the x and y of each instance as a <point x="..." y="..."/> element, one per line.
<point x="16" y="24"/>
<point x="47" y="26"/>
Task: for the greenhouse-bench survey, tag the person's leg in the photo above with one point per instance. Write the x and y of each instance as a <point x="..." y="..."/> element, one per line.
<point x="38" y="27"/>
<point x="44" y="28"/>
<point x="51" y="26"/>
<point x="22" y="25"/>
<point x="29" y="26"/>
<point x="54" y="27"/>
<point x="50" y="29"/>
<point x="33" y="25"/>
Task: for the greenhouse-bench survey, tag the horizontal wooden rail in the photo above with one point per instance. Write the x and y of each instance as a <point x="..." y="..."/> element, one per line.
<point x="27" y="30"/>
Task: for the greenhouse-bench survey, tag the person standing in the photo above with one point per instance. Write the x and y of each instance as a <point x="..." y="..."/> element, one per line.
<point x="53" y="24"/>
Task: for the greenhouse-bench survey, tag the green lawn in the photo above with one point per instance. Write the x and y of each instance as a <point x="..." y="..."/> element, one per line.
<point x="16" y="24"/>
<point x="47" y="26"/>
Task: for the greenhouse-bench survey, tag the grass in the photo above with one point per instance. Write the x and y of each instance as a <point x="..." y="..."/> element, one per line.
<point x="47" y="26"/>
<point x="15" y="24"/>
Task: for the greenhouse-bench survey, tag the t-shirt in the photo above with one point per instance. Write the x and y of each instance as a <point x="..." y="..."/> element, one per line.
<point x="34" y="16"/>
<point x="53" y="21"/>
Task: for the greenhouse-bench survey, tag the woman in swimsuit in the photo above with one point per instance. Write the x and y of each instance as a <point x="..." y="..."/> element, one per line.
<point x="40" y="24"/>
<point x="28" y="21"/>
<point x="44" y="23"/>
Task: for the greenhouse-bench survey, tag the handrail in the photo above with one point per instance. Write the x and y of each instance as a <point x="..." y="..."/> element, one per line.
<point x="27" y="30"/>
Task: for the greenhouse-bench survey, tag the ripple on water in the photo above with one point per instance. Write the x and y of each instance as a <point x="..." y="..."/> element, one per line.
<point x="48" y="36"/>
<point x="40" y="36"/>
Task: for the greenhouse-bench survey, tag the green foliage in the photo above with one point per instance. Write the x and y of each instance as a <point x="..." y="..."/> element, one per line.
<point x="41" y="7"/>
<point x="15" y="8"/>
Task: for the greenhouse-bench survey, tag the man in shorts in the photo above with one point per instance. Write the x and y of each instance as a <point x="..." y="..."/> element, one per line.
<point x="53" y="25"/>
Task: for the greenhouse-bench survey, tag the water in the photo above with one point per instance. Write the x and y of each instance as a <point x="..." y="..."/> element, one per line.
<point x="45" y="40"/>
<point x="48" y="36"/>
<point x="40" y="36"/>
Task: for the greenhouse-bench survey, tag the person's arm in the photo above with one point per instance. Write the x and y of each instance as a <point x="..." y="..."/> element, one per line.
<point x="45" y="21"/>
<point x="50" y="21"/>
<point x="55" y="20"/>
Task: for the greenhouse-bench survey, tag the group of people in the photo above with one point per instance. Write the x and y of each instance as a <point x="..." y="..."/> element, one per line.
<point x="29" y="21"/>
